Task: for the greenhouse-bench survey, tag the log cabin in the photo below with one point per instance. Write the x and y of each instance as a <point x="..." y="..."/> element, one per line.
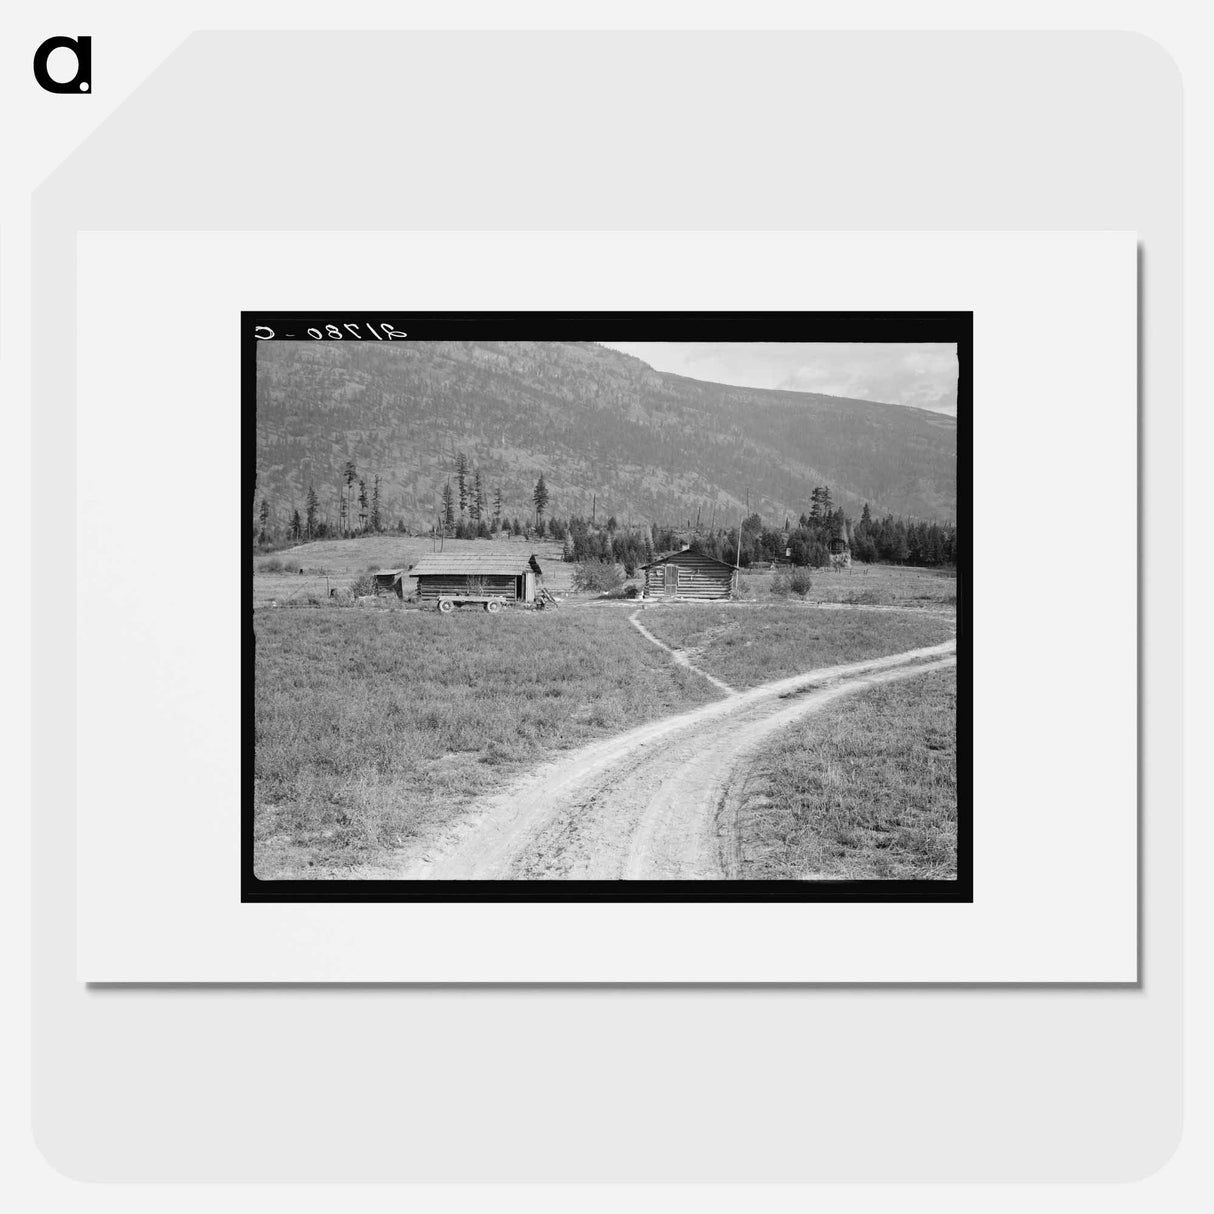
<point x="515" y="578"/>
<point x="689" y="575"/>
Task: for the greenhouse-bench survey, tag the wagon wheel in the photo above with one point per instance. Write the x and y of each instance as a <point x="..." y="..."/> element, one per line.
<point x="493" y="606"/>
<point x="446" y="606"/>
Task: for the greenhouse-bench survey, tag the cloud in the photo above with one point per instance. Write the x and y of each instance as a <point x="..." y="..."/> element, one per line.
<point x="922" y="376"/>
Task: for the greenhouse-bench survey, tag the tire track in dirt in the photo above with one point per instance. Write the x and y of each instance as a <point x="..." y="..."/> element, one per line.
<point x="652" y="803"/>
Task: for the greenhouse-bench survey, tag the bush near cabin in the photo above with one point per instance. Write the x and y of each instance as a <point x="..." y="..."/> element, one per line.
<point x="599" y="577"/>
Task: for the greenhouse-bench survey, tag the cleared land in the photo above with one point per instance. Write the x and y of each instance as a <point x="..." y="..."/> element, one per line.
<point x="336" y="563"/>
<point x="658" y="802"/>
<point x="747" y="644"/>
<point x="865" y="791"/>
<point x="386" y="739"/>
<point x="373" y="727"/>
<point x="868" y="585"/>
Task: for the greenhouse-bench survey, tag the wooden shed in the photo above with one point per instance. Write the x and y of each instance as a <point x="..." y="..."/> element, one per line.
<point x="515" y="578"/>
<point x="390" y="581"/>
<point x="689" y="575"/>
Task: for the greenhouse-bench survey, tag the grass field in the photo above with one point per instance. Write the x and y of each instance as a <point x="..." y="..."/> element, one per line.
<point x="377" y="726"/>
<point x="373" y="726"/>
<point x="745" y="644"/>
<point x="336" y="563"/>
<point x="873" y="585"/>
<point x="866" y="791"/>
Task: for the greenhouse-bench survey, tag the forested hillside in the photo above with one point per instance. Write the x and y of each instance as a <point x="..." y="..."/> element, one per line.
<point x="601" y="426"/>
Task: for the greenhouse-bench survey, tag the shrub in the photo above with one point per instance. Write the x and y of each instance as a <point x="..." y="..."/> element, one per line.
<point x="799" y="582"/>
<point x="597" y="575"/>
<point x="631" y="592"/>
<point x="274" y="565"/>
<point x="365" y="584"/>
<point x="780" y="585"/>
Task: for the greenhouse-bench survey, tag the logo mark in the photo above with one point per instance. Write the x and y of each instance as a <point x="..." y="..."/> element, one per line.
<point x="82" y="48"/>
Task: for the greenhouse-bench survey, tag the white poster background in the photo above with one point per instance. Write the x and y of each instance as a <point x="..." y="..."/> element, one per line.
<point x="158" y="675"/>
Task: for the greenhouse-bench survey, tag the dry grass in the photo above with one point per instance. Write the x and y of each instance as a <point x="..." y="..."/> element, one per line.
<point x="876" y="585"/>
<point x="374" y="726"/>
<point x="746" y="644"/>
<point x="867" y="790"/>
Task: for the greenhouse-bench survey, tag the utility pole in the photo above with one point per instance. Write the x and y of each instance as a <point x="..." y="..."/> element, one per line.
<point x="738" y="560"/>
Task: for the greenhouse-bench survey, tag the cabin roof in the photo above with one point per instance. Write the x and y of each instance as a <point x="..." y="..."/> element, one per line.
<point x="385" y="572"/>
<point x="471" y="564"/>
<point x="674" y="558"/>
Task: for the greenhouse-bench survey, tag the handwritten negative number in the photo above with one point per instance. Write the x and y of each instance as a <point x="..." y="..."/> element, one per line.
<point x="381" y="332"/>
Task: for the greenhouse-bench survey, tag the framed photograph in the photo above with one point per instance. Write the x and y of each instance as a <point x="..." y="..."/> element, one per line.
<point x="682" y="615"/>
<point x="739" y="655"/>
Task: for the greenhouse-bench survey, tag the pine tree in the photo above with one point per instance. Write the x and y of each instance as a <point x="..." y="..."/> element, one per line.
<point x="377" y="521"/>
<point x="263" y="516"/>
<point x="461" y="476"/>
<point x="312" y="509"/>
<point x="296" y="525"/>
<point x="497" y="506"/>
<point x="478" y="498"/>
<point x="362" y="503"/>
<point x="448" y="506"/>
<point x="540" y="497"/>
<point x="349" y="476"/>
<point x="819" y="505"/>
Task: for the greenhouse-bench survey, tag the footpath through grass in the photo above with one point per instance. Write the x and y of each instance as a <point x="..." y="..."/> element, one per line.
<point x="866" y="789"/>
<point x="374" y="726"/>
<point x="746" y="644"/>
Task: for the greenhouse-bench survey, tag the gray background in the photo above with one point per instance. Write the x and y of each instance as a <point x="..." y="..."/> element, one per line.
<point x="619" y="131"/>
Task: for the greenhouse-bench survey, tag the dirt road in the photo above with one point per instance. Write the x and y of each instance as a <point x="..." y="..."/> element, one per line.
<point x="656" y="802"/>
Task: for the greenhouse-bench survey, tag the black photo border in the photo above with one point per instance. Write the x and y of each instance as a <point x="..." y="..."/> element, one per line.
<point x="944" y="327"/>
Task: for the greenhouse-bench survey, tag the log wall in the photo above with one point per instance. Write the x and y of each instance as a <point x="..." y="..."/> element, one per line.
<point x="432" y="587"/>
<point x="699" y="578"/>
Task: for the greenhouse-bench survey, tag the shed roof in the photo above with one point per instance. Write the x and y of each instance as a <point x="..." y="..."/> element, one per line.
<point x="385" y="572"/>
<point x="471" y="563"/>
<point x="677" y="557"/>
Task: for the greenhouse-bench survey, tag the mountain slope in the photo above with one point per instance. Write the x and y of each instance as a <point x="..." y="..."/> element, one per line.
<point x="651" y="446"/>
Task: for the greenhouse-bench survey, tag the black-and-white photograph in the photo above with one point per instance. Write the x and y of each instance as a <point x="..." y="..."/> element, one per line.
<point x="681" y="616"/>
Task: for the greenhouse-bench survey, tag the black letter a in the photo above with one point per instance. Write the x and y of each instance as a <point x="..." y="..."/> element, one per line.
<point x="82" y="48"/>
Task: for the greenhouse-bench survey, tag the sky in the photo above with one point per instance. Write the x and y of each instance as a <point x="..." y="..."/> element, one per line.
<point x="903" y="373"/>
